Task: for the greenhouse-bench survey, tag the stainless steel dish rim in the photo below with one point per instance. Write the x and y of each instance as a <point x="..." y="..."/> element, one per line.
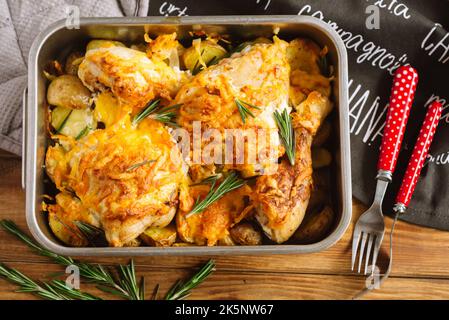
<point x="31" y="134"/>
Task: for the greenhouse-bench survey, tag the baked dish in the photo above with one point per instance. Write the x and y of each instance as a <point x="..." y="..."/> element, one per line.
<point x="126" y="121"/>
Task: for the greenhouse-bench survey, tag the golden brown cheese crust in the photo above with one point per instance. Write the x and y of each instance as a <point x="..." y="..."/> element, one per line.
<point x="103" y="170"/>
<point x="258" y="76"/>
<point x="132" y="77"/>
<point x="214" y="223"/>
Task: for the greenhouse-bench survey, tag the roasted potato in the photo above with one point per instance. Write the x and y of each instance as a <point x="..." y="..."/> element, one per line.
<point x="317" y="199"/>
<point x="315" y="227"/>
<point x="72" y="63"/>
<point x="246" y="234"/>
<point x="159" y="237"/>
<point x="96" y="44"/>
<point x="323" y="134"/>
<point x="69" y="92"/>
<point x="321" y="158"/>
<point x="133" y="243"/>
<point x="73" y="123"/>
<point x="201" y="54"/>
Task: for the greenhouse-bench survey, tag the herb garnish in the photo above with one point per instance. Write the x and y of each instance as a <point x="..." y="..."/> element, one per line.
<point x="231" y="182"/>
<point x="286" y="133"/>
<point x="134" y="166"/>
<point x="242" y="106"/>
<point x="156" y="112"/>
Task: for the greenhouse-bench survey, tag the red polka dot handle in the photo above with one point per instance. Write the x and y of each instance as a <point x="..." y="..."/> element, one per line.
<point x="401" y="99"/>
<point x="419" y="155"/>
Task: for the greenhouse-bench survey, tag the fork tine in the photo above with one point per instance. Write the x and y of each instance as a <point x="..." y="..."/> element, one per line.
<point x="368" y="250"/>
<point x="355" y="245"/>
<point x="362" y="249"/>
<point x="376" y="250"/>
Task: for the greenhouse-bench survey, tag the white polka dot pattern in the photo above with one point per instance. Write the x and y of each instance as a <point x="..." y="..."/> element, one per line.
<point x="419" y="154"/>
<point x="401" y="100"/>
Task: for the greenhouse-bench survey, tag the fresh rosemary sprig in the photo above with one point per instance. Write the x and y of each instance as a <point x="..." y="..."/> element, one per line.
<point x="53" y="290"/>
<point x="181" y="289"/>
<point x="91" y="272"/>
<point x="124" y="286"/>
<point x="151" y="107"/>
<point x="231" y="182"/>
<point x="242" y="106"/>
<point x="155" y="111"/>
<point x="135" y="166"/>
<point x="286" y="133"/>
<point x="95" y="236"/>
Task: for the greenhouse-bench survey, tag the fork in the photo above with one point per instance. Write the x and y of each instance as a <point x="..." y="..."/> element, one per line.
<point x="370" y="228"/>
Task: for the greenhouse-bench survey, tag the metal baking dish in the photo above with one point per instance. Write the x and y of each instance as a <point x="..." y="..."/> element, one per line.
<point x="58" y="40"/>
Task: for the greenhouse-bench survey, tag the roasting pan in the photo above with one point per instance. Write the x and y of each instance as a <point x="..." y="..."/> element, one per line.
<point x="57" y="40"/>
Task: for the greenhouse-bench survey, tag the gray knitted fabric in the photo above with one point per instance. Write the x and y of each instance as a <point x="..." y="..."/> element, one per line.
<point x="20" y="23"/>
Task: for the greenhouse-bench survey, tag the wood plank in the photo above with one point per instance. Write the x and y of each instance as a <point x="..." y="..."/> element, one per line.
<point x="255" y="285"/>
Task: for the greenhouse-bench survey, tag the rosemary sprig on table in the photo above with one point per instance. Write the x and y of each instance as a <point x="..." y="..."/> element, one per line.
<point x="231" y="182"/>
<point x="94" y="273"/>
<point x="124" y="286"/>
<point x="53" y="290"/>
<point x="286" y="133"/>
<point x="181" y="289"/>
<point x="155" y="111"/>
<point x="243" y="108"/>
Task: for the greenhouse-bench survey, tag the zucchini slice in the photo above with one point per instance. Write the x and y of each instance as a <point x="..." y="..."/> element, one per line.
<point x="202" y="54"/>
<point x="73" y="123"/>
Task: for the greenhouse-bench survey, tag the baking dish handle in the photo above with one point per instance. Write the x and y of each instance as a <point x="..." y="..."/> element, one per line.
<point x="24" y="126"/>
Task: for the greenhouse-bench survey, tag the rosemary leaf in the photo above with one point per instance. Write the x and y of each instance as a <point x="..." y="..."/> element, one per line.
<point x="231" y="182"/>
<point x="91" y="272"/>
<point x="242" y="106"/>
<point x="149" y="109"/>
<point x="181" y="289"/>
<point x="95" y="236"/>
<point x="53" y="290"/>
<point x="286" y="133"/>
<point x="134" y="166"/>
<point x="209" y="180"/>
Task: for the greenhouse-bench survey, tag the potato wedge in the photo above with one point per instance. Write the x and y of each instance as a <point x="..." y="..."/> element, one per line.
<point x="315" y="227"/>
<point x="96" y="44"/>
<point x="159" y="237"/>
<point x="323" y="134"/>
<point x="321" y="158"/>
<point x="69" y="92"/>
<point x="201" y="54"/>
<point x="72" y="123"/>
<point x="246" y="234"/>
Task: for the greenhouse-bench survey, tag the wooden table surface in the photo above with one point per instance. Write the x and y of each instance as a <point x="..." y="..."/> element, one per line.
<point x="420" y="270"/>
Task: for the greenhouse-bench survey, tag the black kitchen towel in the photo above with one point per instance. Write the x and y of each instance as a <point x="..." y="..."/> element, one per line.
<point x="409" y="32"/>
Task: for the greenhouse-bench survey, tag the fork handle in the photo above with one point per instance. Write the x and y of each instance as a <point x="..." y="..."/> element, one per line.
<point x="401" y="100"/>
<point x="419" y="155"/>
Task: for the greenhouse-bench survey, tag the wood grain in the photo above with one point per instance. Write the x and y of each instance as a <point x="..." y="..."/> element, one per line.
<point x="420" y="262"/>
